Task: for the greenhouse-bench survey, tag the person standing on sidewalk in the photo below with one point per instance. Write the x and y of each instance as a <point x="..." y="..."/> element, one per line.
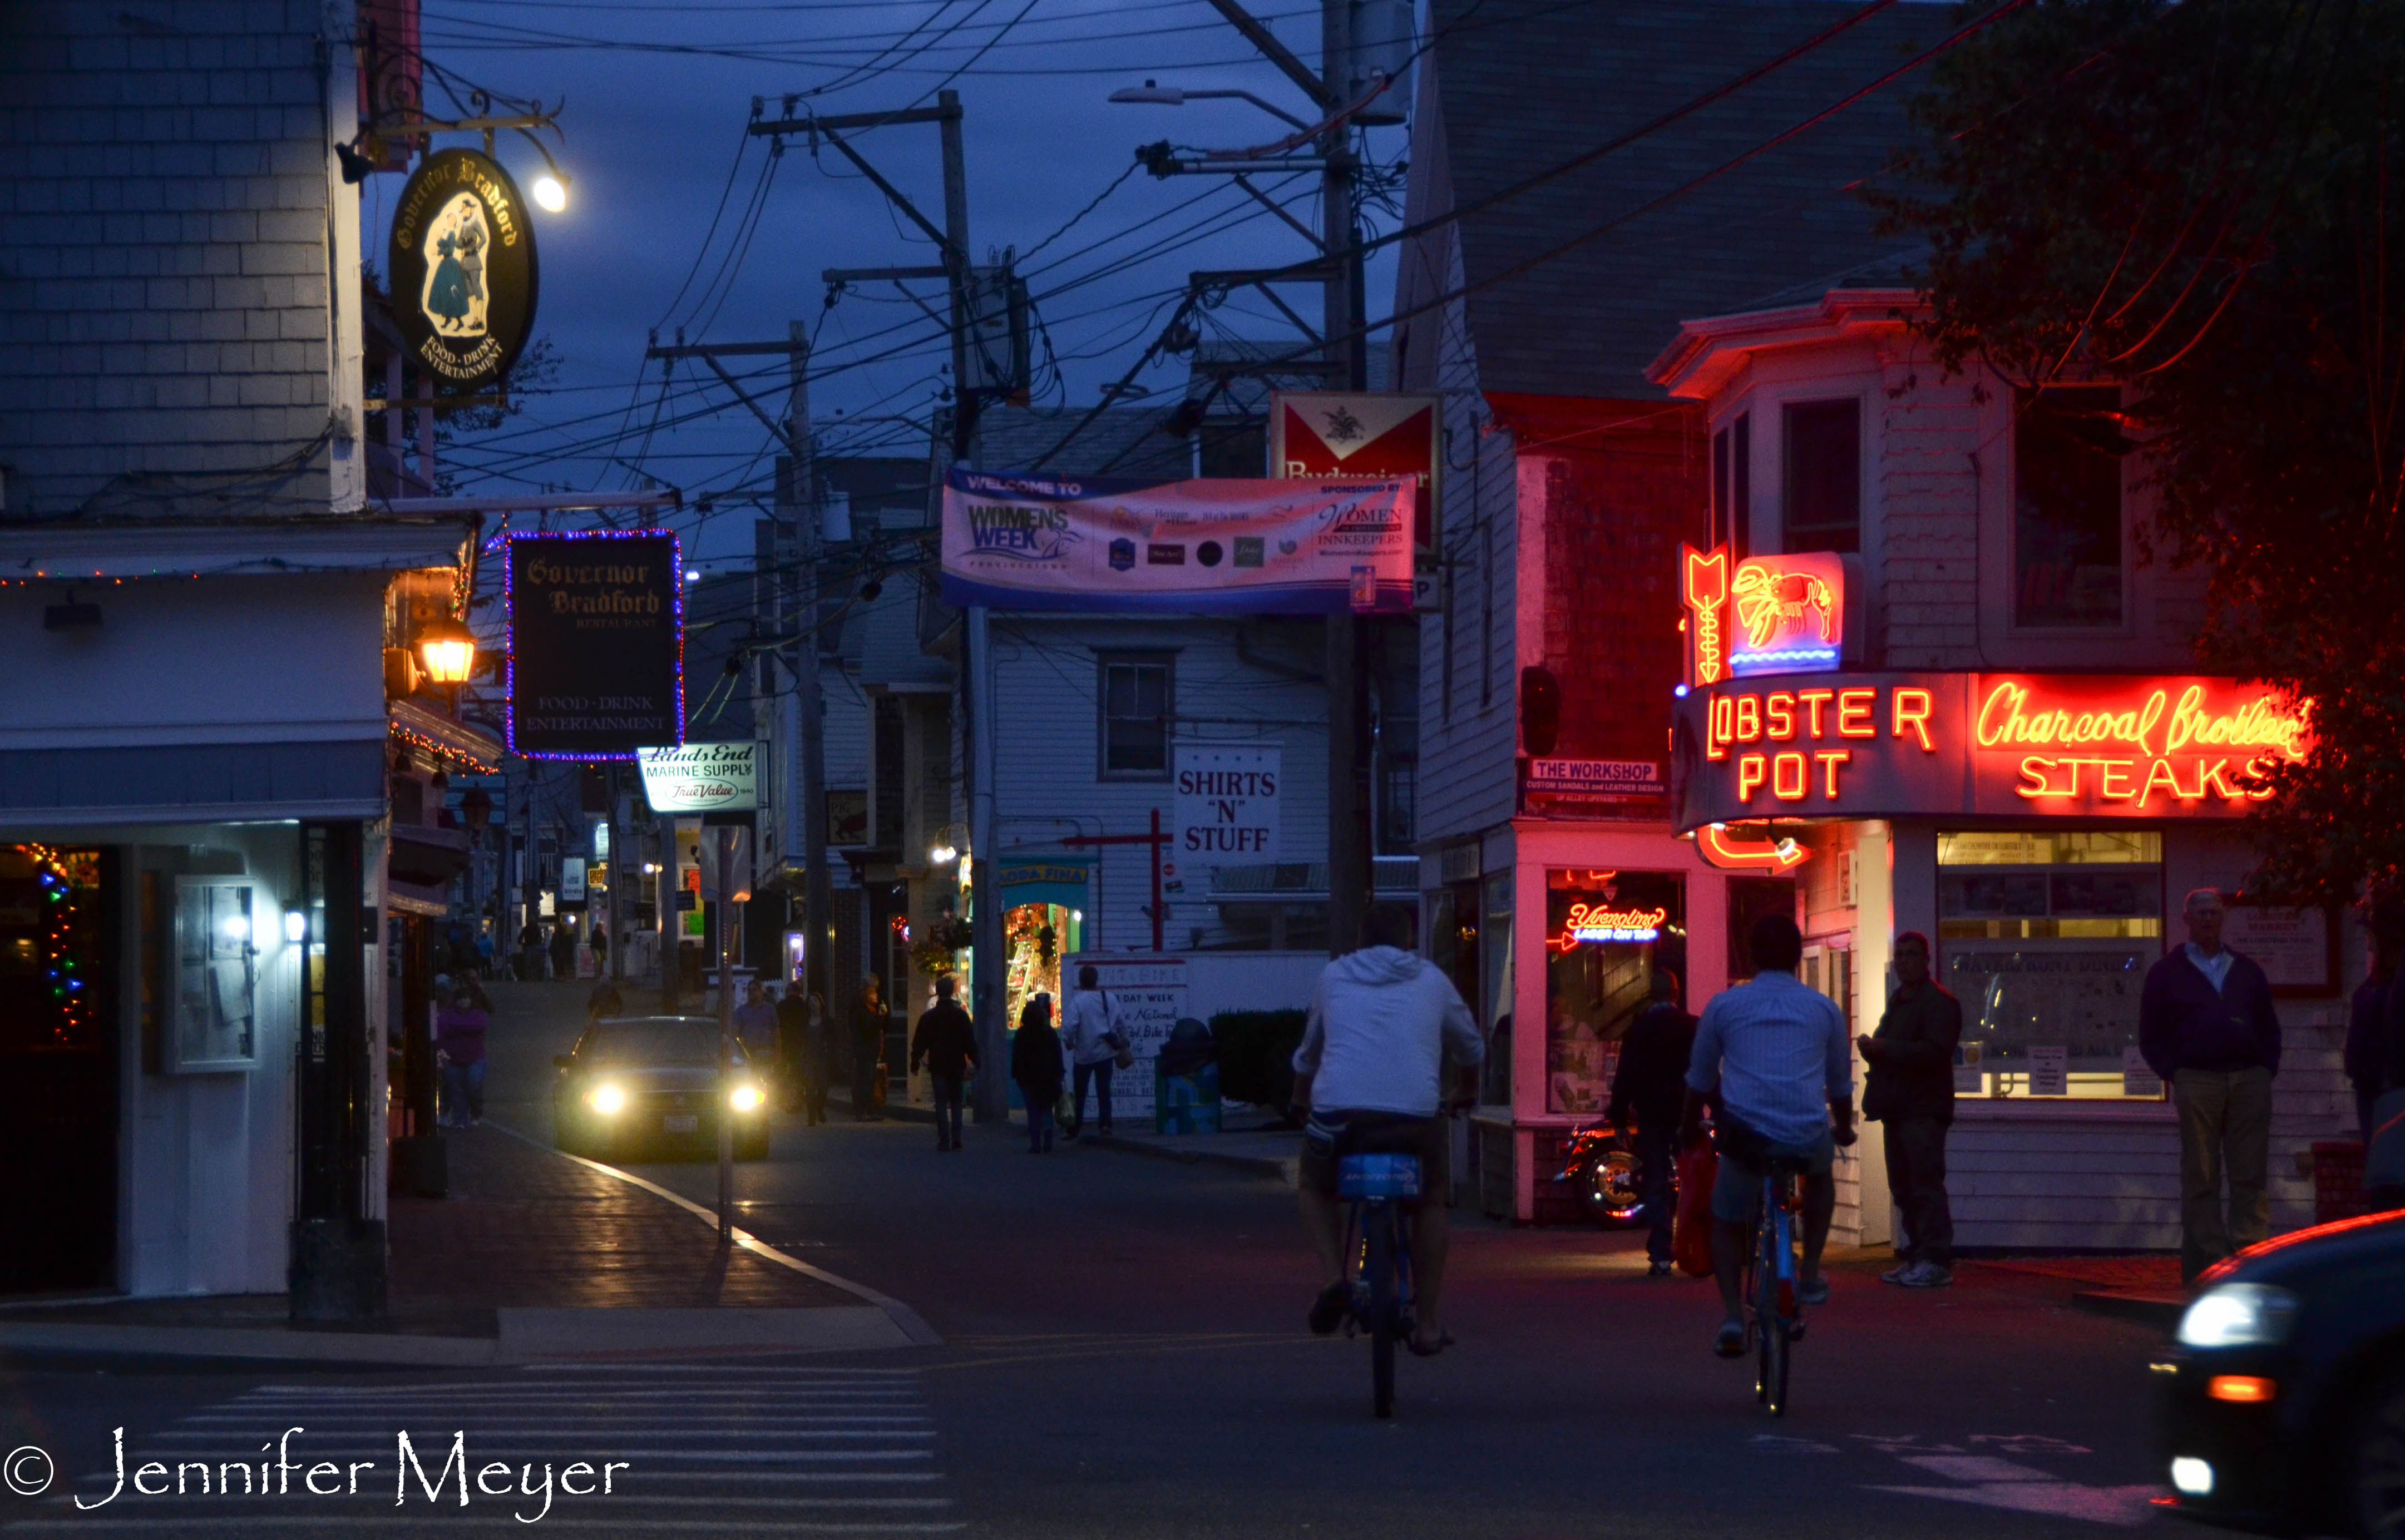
<point x="946" y="1044"/>
<point x="1035" y="1065"/>
<point x="794" y="1019"/>
<point x="869" y="1016"/>
<point x="2370" y="1048"/>
<point x="755" y="1026"/>
<point x="600" y="945"/>
<point x="1651" y="1087"/>
<point x="459" y="1031"/>
<point x="563" y="949"/>
<point x="530" y="952"/>
<point x="2206" y="1024"/>
<point x="1090" y="1034"/>
<point x="1910" y="1088"/>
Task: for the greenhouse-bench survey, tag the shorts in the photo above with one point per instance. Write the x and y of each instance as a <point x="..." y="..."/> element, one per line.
<point x="1737" y="1187"/>
<point x="1327" y="1136"/>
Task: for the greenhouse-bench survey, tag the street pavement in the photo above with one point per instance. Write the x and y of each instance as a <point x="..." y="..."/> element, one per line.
<point x="1122" y="1354"/>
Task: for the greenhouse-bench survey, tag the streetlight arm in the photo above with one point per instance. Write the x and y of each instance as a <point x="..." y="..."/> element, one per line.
<point x="1247" y="95"/>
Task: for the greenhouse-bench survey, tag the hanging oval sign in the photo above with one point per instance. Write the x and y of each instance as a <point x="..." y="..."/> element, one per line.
<point x="463" y="269"/>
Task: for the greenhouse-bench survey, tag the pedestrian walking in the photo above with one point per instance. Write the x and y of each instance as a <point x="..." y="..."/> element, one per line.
<point x="756" y="1025"/>
<point x="869" y="1017"/>
<point x="2372" y="1051"/>
<point x="1035" y="1066"/>
<point x="2206" y="1024"/>
<point x="459" y="1031"/>
<point x="946" y="1044"/>
<point x="600" y="945"/>
<point x="485" y="949"/>
<point x="1648" y="1090"/>
<point x="1091" y="1033"/>
<point x="530" y="953"/>
<point x="563" y="950"/>
<point x="605" y="1003"/>
<point x="1910" y="1088"/>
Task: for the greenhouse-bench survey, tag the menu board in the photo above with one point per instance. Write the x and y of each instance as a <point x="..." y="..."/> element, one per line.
<point x="2293" y="945"/>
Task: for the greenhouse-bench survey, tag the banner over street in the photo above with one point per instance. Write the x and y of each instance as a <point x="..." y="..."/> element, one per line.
<point x="1196" y="547"/>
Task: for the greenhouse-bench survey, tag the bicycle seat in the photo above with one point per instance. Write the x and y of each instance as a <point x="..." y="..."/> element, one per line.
<point x="1387" y="1176"/>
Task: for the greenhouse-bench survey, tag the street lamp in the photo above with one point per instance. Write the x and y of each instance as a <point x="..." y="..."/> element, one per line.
<point x="447" y="650"/>
<point x="1153" y="94"/>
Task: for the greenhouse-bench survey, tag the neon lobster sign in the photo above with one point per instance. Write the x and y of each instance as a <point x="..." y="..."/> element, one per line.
<point x="1790" y="613"/>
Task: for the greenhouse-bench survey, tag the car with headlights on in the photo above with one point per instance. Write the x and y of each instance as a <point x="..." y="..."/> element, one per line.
<point x="2283" y="1400"/>
<point x="646" y="1083"/>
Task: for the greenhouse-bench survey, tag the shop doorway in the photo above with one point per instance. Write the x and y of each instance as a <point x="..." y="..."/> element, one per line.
<point x="58" y="1065"/>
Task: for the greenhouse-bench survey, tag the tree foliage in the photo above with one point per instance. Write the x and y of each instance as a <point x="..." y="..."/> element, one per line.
<point x="2200" y="198"/>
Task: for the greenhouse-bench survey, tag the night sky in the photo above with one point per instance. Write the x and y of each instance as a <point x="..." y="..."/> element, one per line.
<point x="656" y="101"/>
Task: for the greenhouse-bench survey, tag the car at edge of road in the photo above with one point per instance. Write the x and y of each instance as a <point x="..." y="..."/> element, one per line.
<point x="2281" y="1404"/>
<point x="650" y="1082"/>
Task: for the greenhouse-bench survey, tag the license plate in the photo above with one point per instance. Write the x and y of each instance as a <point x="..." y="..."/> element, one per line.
<point x="679" y="1124"/>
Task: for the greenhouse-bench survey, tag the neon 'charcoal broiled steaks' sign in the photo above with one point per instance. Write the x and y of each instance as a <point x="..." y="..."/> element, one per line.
<point x="595" y="644"/>
<point x="463" y="269"/>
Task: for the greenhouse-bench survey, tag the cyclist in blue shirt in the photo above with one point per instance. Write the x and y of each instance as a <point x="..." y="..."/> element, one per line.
<point x="1773" y="1059"/>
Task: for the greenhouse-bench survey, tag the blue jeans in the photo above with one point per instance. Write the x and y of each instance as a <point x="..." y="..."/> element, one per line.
<point x="463" y="1091"/>
<point x="950" y="1090"/>
<point x="1039" y="1119"/>
<point x="1099" y="1076"/>
<point x="1657" y="1158"/>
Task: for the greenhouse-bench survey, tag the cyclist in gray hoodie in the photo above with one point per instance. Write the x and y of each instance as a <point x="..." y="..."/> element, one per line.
<point x="1370" y="1069"/>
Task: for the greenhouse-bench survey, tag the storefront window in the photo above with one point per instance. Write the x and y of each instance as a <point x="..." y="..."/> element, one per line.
<point x="2046" y="938"/>
<point x="1604" y="933"/>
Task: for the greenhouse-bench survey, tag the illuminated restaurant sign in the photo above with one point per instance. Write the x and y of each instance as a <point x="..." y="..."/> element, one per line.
<point x="1782" y="614"/>
<point x="1999" y="745"/>
<point x="1595" y="922"/>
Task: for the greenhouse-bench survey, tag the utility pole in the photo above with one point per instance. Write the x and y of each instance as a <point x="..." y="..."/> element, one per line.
<point x="806" y="712"/>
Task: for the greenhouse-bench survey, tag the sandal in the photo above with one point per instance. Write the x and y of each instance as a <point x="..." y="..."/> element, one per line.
<point x="1429" y="1350"/>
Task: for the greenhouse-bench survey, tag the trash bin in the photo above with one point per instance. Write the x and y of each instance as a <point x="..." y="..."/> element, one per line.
<point x="1186" y="1081"/>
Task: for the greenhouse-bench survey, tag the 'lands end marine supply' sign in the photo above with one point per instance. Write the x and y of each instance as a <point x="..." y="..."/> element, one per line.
<point x="595" y="644"/>
<point x="702" y="778"/>
<point x="463" y="269"/>
<point x="1033" y="542"/>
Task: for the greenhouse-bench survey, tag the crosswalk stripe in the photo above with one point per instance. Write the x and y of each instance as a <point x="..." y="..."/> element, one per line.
<point x="86" y="1524"/>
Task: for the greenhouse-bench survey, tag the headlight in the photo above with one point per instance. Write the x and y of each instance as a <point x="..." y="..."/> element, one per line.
<point x="606" y="1098"/>
<point x="743" y="1099"/>
<point x="2239" y="1315"/>
<point x="2192" y="1477"/>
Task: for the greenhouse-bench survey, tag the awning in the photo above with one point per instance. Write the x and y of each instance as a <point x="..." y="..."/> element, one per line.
<point x="192" y="783"/>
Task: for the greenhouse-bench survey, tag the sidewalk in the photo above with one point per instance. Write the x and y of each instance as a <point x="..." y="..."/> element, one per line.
<point x="533" y="1257"/>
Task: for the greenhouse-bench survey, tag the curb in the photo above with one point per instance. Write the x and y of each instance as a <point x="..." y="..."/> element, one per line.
<point x="354" y="1350"/>
<point x="2160" y="1311"/>
<point x="1284" y="1168"/>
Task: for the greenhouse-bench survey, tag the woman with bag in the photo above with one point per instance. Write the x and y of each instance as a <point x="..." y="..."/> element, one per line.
<point x="1035" y="1065"/>
<point x="1094" y="1044"/>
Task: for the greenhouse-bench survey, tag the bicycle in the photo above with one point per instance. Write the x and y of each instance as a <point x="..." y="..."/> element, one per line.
<point x="1378" y="1230"/>
<point x="1774" y="1316"/>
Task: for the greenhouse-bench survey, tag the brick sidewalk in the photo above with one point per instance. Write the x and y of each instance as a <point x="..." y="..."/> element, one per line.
<point x="524" y="1227"/>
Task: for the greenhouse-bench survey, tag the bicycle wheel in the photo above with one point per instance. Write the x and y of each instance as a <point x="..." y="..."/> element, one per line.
<point x="1773" y="1305"/>
<point x="1378" y="1234"/>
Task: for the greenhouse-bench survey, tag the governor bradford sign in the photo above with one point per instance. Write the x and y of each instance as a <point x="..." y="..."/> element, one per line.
<point x="463" y="269"/>
<point x="1990" y="745"/>
<point x="1026" y="541"/>
<point x="595" y="644"/>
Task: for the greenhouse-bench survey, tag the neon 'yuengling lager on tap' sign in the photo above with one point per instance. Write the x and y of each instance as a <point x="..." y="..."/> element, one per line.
<point x="1895" y="745"/>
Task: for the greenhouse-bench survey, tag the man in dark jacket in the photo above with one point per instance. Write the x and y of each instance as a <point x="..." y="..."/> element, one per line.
<point x="2205" y="1024"/>
<point x="1651" y="1087"/>
<point x="1910" y="1088"/>
<point x="946" y="1044"/>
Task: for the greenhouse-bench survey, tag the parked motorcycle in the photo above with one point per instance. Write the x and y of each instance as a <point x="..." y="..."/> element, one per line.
<point x="1606" y="1176"/>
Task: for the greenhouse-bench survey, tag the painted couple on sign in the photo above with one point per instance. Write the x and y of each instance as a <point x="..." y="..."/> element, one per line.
<point x="456" y="238"/>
